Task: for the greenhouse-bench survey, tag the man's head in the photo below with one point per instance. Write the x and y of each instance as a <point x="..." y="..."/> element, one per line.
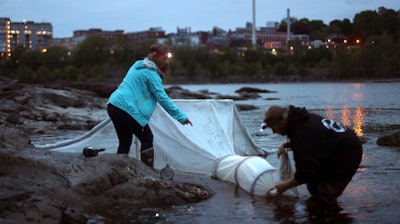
<point x="275" y="118"/>
<point x="160" y="54"/>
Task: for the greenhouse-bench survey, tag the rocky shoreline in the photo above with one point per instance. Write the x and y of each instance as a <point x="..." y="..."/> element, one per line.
<point x="41" y="186"/>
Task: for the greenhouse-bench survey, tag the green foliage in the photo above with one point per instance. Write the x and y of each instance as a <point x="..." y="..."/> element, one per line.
<point x="91" y="51"/>
<point x="284" y="69"/>
<point x="314" y="56"/>
<point x="25" y="74"/>
<point x="31" y="59"/>
<point x="394" y="62"/>
<point x="342" y="66"/>
<point x="13" y="62"/>
<point x="71" y="73"/>
<point x="56" y="57"/>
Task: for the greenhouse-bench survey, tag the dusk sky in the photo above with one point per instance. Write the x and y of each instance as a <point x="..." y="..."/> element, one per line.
<point x="133" y="15"/>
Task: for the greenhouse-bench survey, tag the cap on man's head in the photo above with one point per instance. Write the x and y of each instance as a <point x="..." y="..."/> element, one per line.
<point x="274" y="115"/>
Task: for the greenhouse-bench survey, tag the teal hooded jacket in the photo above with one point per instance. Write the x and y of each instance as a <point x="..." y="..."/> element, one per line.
<point x="139" y="92"/>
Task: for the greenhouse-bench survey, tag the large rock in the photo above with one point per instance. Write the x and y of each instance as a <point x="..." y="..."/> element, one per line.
<point x="40" y="186"/>
<point x="37" y="109"/>
<point x="177" y="92"/>
<point x="389" y="140"/>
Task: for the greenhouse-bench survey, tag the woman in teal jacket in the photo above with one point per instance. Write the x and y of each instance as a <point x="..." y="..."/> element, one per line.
<point x="131" y="105"/>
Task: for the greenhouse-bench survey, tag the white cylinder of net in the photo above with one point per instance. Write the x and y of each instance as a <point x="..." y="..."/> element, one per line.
<point x="254" y="174"/>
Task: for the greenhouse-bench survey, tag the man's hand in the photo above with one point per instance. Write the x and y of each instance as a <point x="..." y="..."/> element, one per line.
<point x="272" y="193"/>
<point x="281" y="150"/>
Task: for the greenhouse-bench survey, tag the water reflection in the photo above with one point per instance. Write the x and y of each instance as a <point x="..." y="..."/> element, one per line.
<point x="350" y="117"/>
<point x="331" y="214"/>
<point x="359" y="121"/>
<point x="285" y="209"/>
<point x="292" y="210"/>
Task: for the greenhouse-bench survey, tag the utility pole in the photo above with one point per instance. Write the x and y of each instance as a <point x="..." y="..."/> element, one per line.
<point x="253" y="37"/>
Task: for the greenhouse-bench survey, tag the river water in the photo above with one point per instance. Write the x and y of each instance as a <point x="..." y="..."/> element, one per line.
<point x="373" y="196"/>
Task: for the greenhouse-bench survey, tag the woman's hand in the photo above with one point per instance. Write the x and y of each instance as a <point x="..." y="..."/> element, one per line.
<point x="187" y="121"/>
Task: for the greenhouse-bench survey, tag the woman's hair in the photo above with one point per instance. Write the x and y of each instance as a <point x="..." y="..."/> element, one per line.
<point x="159" y="48"/>
<point x="155" y="51"/>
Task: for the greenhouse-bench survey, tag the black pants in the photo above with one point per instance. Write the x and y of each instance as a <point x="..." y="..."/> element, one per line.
<point x="126" y="127"/>
<point x="327" y="192"/>
<point x="344" y="165"/>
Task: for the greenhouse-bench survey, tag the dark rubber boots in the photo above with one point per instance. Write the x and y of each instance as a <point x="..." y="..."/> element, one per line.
<point x="147" y="157"/>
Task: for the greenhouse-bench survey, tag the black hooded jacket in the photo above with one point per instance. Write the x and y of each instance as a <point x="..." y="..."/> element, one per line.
<point x="323" y="150"/>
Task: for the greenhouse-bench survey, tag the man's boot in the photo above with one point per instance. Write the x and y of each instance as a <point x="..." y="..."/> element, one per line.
<point x="147" y="157"/>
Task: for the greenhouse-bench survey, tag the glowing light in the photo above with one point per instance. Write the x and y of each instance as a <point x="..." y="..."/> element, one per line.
<point x="169" y="55"/>
<point x="274" y="52"/>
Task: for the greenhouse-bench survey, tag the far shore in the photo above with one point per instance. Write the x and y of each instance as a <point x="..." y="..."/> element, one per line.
<point x="266" y="79"/>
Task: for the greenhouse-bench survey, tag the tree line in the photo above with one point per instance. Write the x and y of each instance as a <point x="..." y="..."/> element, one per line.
<point x="367" y="48"/>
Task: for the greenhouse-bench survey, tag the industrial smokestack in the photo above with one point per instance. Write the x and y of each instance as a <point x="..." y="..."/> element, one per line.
<point x="253" y="37"/>
<point x="288" y="25"/>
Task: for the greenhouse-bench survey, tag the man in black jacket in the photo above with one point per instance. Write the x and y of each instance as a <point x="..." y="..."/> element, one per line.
<point x="326" y="154"/>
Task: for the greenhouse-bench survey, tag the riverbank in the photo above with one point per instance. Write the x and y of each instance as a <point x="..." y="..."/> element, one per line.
<point x="243" y="79"/>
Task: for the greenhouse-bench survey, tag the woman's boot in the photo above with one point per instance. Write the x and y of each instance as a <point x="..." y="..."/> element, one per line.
<point x="147" y="157"/>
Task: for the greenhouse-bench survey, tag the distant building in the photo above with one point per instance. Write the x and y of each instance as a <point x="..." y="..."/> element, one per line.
<point x="31" y="35"/>
<point x="184" y="36"/>
<point x="271" y="38"/>
<point x="81" y="35"/>
<point x="143" y="36"/>
<point x="215" y="40"/>
<point x="67" y="42"/>
<point x="136" y="37"/>
<point x="5" y="47"/>
<point x="27" y="34"/>
<point x="303" y="38"/>
<point x="267" y="37"/>
<point x="109" y="35"/>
